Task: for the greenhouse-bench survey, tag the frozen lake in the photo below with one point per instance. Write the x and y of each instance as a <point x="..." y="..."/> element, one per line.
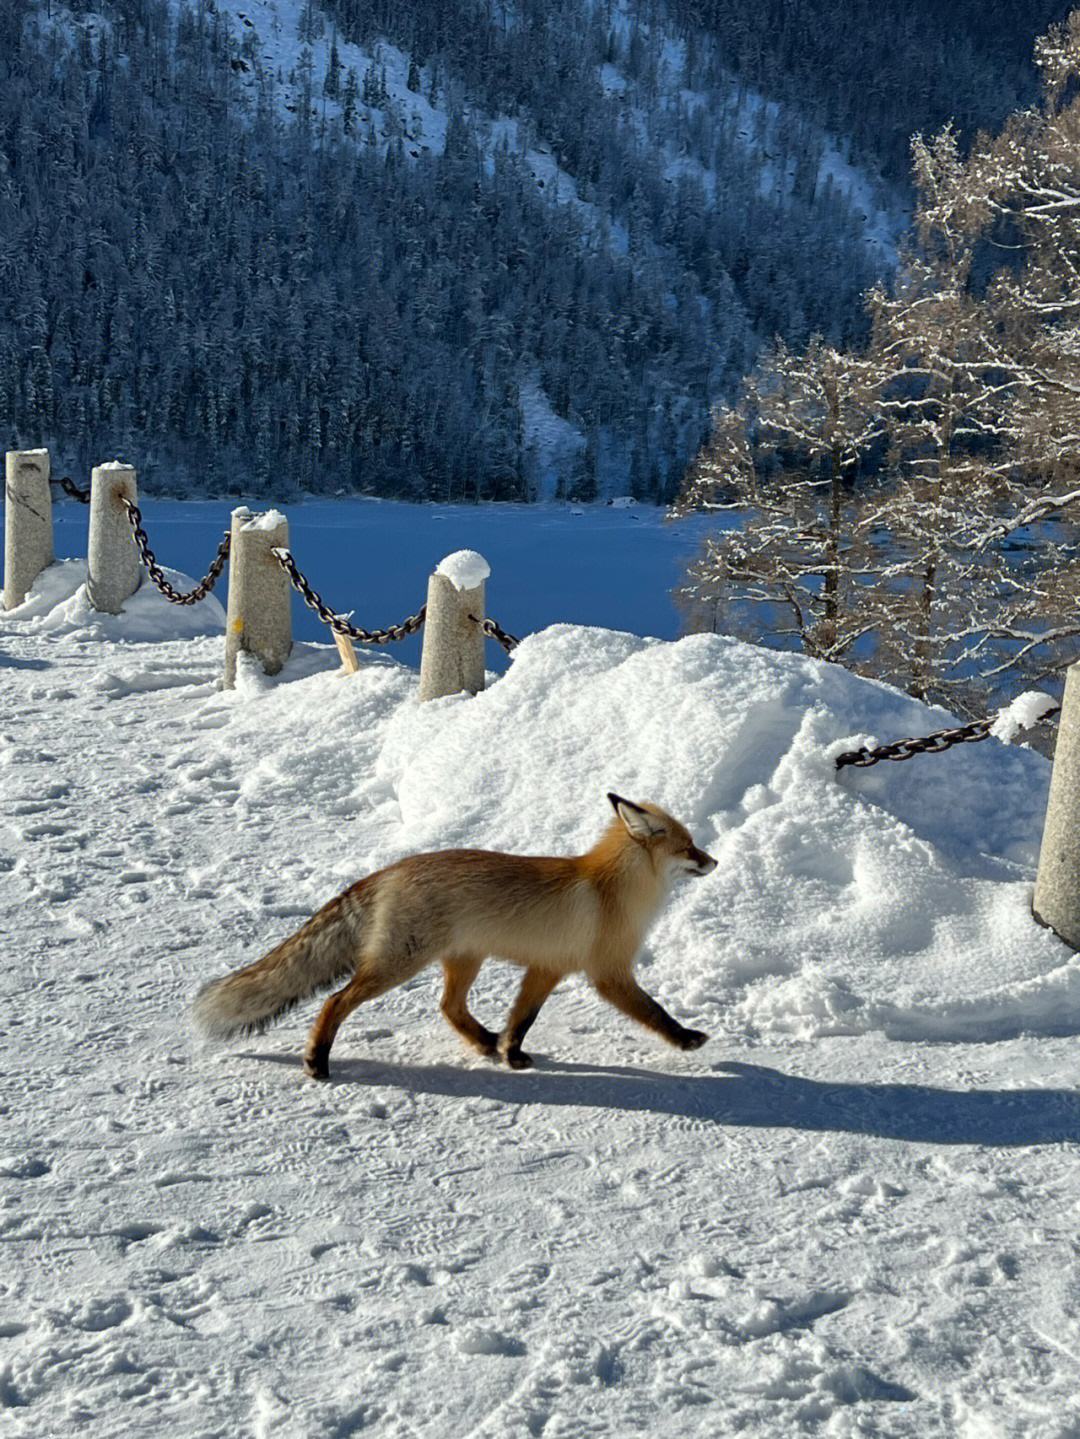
<point x="615" y="568"/>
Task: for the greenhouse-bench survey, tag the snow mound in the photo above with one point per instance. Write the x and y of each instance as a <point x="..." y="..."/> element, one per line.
<point x="896" y="899"/>
<point x="58" y="604"/>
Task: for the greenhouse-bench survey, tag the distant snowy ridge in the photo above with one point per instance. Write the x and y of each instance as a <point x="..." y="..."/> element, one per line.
<point x="269" y="33"/>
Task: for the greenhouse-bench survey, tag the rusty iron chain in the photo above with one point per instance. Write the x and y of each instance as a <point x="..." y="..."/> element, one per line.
<point x="338" y="623"/>
<point x="157" y="574"/>
<point x="936" y="743"/>
<point x="495" y="631"/>
<point x="392" y="633"/>
<point x="71" y="489"/>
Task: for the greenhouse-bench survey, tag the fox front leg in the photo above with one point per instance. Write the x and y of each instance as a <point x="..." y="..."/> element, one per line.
<point x="536" y="985"/>
<point x="627" y="995"/>
<point x="460" y="974"/>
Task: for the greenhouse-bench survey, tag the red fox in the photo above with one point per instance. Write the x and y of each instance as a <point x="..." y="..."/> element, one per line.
<point x="551" y="916"/>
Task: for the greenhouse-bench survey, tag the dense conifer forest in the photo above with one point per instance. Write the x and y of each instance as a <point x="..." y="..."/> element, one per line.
<point x="250" y="275"/>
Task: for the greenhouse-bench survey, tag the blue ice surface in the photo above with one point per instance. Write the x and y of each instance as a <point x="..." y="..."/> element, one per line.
<point x="595" y="565"/>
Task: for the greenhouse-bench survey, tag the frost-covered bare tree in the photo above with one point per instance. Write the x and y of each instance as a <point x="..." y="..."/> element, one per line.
<point x="1022" y="188"/>
<point x="945" y="381"/>
<point x="799" y="563"/>
<point x="931" y="575"/>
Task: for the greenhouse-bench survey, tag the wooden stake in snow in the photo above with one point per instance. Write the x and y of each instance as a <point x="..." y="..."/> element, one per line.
<point x="1057" y="887"/>
<point x="260" y="595"/>
<point x="113" y="571"/>
<point x="28" y="530"/>
<point x="453" y="654"/>
<point x="350" y="665"/>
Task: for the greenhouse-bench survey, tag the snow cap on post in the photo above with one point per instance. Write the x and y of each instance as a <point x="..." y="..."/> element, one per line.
<point x="465" y="569"/>
<point x="28" y="527"/>
<point x="453" y="654"/>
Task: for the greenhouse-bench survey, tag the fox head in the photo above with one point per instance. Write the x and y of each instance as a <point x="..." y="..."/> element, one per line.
<point x="668" y="841"/>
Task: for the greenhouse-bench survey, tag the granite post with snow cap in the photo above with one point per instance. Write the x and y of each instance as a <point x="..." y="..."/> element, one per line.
<point x="453" y="654"/>
<point x="259" y="617"/>
<point x="113" y="570"/>
<point x="1057" y="886"/>
<point x="28" y="528"/>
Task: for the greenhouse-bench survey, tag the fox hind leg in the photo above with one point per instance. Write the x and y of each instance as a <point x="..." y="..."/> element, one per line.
<point x="536" y="985"/>
<point x="366" y="983"/>
<point x="460" y="974"/>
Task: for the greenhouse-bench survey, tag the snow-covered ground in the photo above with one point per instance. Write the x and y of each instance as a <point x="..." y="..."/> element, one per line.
<point x="853" y="1212"/>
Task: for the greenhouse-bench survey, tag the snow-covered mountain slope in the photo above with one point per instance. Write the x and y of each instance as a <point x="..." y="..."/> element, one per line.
<point x="851" y="1212"/>
<point x="287" y="37"/>
<point x="489" y="250"/>
<point x="713" y="137"/>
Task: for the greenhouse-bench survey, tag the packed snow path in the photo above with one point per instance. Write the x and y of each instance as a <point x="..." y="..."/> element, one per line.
<point x="853" y="1212"/>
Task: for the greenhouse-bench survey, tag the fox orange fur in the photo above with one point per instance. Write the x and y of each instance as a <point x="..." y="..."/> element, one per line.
<point x="552" y="916"/>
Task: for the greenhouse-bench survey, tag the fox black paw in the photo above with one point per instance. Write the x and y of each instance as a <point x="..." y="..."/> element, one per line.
<point x="516" y="1060"/>
<point x="692" y="1039"/>
<point x="317" y="1062"/>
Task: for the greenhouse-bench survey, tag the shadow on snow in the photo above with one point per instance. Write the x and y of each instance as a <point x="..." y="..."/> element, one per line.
<point x="749" y="1096"/>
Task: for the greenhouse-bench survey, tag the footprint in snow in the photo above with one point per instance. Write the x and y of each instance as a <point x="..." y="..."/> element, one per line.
<point x="135" y="1233"/>
<point x="101" y="1314"/>
<point x="777" y="1316"/>
<point x="28" y="1168"/>
<point x="475" y="1339"/>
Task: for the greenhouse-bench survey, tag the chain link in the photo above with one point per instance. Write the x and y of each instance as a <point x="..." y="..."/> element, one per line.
<point x="936" y="743"/>
<point x="495" y="631"/>
<point x="157" y="574"/>
<point x="338" y="623"/>
<point x="71" y="489"/>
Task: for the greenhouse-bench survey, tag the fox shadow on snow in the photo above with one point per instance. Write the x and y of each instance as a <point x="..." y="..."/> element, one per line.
<point x="750" y="1096"/>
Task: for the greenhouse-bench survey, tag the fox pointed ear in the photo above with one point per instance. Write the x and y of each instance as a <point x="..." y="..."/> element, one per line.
<point x="640" y="824"/>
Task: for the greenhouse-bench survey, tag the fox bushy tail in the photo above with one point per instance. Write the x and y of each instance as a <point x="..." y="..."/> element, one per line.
<point x="325" y="950"/>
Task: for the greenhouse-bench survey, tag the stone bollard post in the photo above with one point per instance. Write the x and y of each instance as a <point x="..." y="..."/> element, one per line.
<point x="1057" y="887"/>
<point x="28" y="528"/>
<point x="260" y="595"/>
<point x="113" y="569"/>
<point x="453" y="655"/>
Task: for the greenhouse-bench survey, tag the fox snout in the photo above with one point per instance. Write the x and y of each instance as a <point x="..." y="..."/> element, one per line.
<point x="698" y="863"/>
